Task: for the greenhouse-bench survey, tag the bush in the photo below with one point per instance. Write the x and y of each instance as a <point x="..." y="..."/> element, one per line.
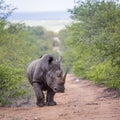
<point x="104" y="73"/>
<point x="10" y="79"/>
<point x="94" y="39"/>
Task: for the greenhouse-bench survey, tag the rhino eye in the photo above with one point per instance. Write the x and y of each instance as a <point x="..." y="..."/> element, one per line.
<point x="58" y="75"/>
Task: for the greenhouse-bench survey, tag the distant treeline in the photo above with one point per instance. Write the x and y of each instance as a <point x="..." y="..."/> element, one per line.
<point x="57" y="15"/>
<point x="92" y="42"/>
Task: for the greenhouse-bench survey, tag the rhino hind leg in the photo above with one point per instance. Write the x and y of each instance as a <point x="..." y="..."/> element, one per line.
<point x="50" y="98"/>
<point x="39" y="94"/>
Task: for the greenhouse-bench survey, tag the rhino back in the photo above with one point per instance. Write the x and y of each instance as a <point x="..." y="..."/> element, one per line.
<point x="31" y="69"/>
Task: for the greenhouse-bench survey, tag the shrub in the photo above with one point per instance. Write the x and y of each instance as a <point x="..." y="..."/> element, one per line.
<point x="10" y="79"/>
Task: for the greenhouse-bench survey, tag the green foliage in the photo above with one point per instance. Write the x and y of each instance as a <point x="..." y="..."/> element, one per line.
<point x="10" y="79"/>
<point x="104" y="73"/>
<point x="93" y="43"/>
<point x="40" y="40"/>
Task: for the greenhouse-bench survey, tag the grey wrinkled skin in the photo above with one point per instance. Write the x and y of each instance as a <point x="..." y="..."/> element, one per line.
<point x="45" y="74"/>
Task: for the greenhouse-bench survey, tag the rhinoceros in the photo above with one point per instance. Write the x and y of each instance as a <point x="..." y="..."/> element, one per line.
<point x="46" y="74"/>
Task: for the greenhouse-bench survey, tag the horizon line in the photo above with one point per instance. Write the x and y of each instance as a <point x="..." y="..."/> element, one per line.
<point x="40" y="11"/>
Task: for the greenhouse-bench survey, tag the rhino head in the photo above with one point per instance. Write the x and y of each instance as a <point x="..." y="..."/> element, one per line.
<point x="55" y="77"/>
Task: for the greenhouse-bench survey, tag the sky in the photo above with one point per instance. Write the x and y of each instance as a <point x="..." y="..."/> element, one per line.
<point x="41" y="5"/>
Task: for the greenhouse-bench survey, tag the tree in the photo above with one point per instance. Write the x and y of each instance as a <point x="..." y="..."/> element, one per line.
<point x="5" y="10"/>
<point x="95" y="39"/>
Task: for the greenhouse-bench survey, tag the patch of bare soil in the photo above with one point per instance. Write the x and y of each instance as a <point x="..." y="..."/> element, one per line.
<point x="81" y="101"/>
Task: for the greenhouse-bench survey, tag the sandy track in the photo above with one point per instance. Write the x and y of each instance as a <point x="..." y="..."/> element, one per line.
<point x="81" y="101"/>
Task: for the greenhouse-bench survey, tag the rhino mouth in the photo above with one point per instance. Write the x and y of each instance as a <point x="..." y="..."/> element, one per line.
<point x="56" y="90"/>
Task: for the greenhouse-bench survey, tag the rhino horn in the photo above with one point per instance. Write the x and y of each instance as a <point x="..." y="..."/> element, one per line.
<point x="64" y="77"/>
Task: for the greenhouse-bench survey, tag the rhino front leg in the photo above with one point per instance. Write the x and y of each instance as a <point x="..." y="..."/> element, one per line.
<point x="39" y="94"/>
<point x="50" y="98"/>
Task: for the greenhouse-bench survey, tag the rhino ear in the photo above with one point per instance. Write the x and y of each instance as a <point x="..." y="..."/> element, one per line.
<point x="50" y="59"/>
<point x="59" y="59"/>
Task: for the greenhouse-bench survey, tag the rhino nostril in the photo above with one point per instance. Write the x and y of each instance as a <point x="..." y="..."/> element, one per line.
<point x="55" y="89"/>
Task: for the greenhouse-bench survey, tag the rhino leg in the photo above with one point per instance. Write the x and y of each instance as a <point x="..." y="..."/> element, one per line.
<point x="50" y="98"/>
<point x="39" y="94"/>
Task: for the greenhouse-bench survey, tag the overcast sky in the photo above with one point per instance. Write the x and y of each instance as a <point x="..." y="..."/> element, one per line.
<point x="41" y="5"/>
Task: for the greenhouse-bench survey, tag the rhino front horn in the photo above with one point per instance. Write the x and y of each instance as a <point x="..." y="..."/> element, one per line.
<point x="64" y="77"/>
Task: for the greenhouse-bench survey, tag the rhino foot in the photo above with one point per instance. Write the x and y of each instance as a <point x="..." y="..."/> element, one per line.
<point x="40" y="104"/>
<point x="52" y="103"/>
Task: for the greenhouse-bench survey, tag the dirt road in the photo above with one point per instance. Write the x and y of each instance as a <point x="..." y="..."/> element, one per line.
<point x="81" y="101"/>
